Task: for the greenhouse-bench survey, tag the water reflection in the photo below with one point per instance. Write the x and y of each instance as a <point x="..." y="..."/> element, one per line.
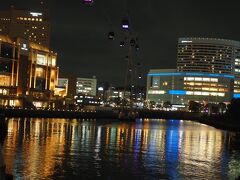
<point x="149" y="149"/>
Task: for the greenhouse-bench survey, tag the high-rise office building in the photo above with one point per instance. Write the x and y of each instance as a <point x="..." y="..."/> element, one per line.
<point x="86" y="86"/>
<point x="208" y="70"/>
<point x="29" y="25"/>
<point x="208" y="55"/>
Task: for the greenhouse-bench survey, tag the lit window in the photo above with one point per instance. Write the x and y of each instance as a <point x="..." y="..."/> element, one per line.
<point x="214" y="80"/>
<point x="156" y="92"/>
<point x="206" y="79"/>
<point x="4" y="80"/>
<point x="41" y="59"/>
<point x="53" y="62"/>
<point x="40" y="72"/>
<point x="198" y="79"/>
<point x="165" y="83"/>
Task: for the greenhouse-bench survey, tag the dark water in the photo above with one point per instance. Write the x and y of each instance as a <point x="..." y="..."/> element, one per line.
<point x="106" y="149"/>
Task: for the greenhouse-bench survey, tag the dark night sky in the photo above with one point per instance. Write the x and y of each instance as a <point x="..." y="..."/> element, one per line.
<point x="79" y="32"/>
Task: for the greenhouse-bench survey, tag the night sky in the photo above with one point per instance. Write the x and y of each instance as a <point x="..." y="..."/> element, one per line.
<point x="79" y="32"/>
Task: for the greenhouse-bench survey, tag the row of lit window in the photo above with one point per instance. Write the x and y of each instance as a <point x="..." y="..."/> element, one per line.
<point x="237" y="82"/>
<point x="201" y="84"/>
<point x="156" y="92"/>
<point x="207" y="89"/>
<point x="82" y="91"/>
<point x="42" y="60"/>
<point x="35" y="27"/>
<point x="5" y="19"/>
<point x="236" y="90"/>
<point x="198" y="46"/>
<point x="4" y="91"/>
<point x="200" y="79"/>
<point x="29" y="19"/>
<point x="199" y="93"/>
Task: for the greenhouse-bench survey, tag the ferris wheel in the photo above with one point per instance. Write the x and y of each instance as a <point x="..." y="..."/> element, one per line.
<point x="130" y="41"/>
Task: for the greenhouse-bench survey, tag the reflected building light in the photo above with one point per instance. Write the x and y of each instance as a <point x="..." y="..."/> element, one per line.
<point x="98" y="140"/>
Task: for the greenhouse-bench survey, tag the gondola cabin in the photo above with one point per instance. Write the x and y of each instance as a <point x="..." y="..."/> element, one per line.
<point x="122" y="44"/>
<point x="111" y="35"/>
<point x="137" y="47"/>
<point x="125" y="24"/>
<point x="87" y="2"/>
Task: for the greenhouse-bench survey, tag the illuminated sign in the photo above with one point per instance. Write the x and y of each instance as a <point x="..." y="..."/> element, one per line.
<point x="24" y="47"/>
<point x="35" y="14"/>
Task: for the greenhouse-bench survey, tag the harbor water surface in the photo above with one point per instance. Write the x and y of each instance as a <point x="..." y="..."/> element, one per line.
<point x="111" y="149"/>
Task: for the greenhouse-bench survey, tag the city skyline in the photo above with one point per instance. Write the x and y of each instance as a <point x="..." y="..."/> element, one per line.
<point x="158" y="32"/>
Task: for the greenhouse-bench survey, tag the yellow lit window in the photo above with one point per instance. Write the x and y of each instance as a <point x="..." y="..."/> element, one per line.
<point x="53" y="62"/>
<point x="40" y="72"/>
<point x="4" y="80"/>
<point x="165" y="83"/>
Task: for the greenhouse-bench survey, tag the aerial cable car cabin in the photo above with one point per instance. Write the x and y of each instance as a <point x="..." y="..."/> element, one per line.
<point x="111" y="35"/>
<point x="87" y="2"/>
<point x="137" y="47"/>
<point x="125" y="24"/>
<point x="122" y="44"/>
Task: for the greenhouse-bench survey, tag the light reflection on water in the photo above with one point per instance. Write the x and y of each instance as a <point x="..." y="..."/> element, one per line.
<point x="150" y="149"/>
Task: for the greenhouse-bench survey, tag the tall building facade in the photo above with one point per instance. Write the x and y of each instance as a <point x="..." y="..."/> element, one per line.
<point x="207" y="55"/>
<point x="208" y="70"/>
<point x="28" y="71"/>
<point x="86" y="86"/>
<point x="210" y="55"/>
<point x="29" y="25"/>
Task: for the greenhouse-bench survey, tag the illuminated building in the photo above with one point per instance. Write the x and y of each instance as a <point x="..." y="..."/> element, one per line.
<point x="181" y="87"/>
<point x="33" y="26"/>
<point x="207" y="55"/>
<point x="88" y="100"/>
<point x="86" y="86"/>
<point x="210" y="55"/>
<point x="28" y="72"/>
<point x="113" y="93"/>
<point x="208" y="69"/>
<point x="62" y="87"/>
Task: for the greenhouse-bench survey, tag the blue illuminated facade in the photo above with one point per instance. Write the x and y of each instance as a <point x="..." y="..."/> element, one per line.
<point x="177" y="92"/>
<point x="181" y="87"/>
<point x="237" y="96"/>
